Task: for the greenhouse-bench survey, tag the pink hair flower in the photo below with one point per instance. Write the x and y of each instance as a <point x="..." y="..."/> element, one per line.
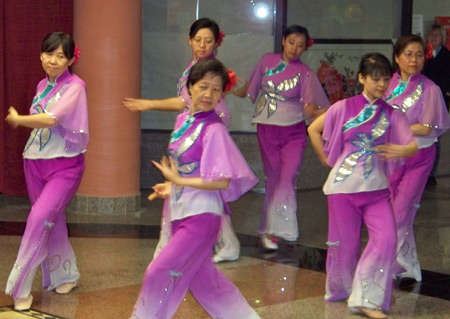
<point x="220" y="39"/>
<point x="233" y="80"/>
<point x="309" y="43"/>
<point x="76" y="55"/>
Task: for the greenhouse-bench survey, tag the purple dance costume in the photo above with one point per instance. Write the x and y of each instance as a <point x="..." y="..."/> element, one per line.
<point x="422" y="102"/>
<point x="283" y="89"/>
<point x="228" y="244"/>
<point x="201" y="147"/>
<point x="357" y="192"/>
<point x="53" y="165"/>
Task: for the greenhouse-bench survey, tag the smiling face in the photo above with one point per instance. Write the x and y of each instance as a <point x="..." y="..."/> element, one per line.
<point x="55" y="63"/>
<point x="374" y="86"/>
<point x="411" y="60"/>
<point x="202" y="43"/>
<point x="206" y="93"/>
<point x="293" y="46"/>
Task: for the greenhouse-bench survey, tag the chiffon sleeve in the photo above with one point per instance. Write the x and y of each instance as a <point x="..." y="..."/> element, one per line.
<point x="434" y="113"/>
<point x="254" y="80"/>
<point x="313" y="91"/>
<point x="222" y="159"/>
<point x="72" y="116"/>
<point x="332" y="132"/>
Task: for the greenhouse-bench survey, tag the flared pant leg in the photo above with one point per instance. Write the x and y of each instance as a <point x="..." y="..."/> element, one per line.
<point x="282" y="149"/>
<point x="185" y="263"/>
<point x="51" y="185"/>
<point x="370" y="283"/>
<point x="407" y="185"/>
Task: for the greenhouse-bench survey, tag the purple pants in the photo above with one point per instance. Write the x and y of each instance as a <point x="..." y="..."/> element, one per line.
<point x="407" y="185"/>
<point x="282" y="150"/>
<point x="365" y="280"/>
<point x="186" y="263"/>
<point x="51" y="184"/>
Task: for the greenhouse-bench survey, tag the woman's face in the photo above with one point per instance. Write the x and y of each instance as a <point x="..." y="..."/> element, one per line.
<point x="435" y="38"/>
<point x="55" y="63"/>
<point x="293" y="46"/>
<point x="374" y="86"/>
<point x="206" y="93"/>
<point x="411" y="60"/>
<point x="202" y="43"/>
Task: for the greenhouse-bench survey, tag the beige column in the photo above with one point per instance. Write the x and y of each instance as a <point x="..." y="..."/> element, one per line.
<point x="109" y="35"/>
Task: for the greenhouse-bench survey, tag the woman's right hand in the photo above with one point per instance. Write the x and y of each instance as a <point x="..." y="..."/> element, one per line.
<point x="136" y="105"/>
<point x="161" y="190"/>
<point x="12" y="117"/>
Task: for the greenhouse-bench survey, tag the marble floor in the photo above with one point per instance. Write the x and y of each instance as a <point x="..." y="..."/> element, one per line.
<point x="113" y="253"/>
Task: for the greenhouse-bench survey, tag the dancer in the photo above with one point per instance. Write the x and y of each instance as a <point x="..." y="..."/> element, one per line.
<point x="434" y="67"/>
<point x="204" y="38"/>
<point x="356" y="137"/>
<point x="204" y="170"/>
<point x="422" y="102"/>
<point x="53" y="165"/>
<point x="287" y="89"/>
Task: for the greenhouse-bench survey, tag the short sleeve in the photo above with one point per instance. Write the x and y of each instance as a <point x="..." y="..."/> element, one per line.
<point x="254" y="80"/>
<point x="222" y="159"/>
<point x="71" y="113"/>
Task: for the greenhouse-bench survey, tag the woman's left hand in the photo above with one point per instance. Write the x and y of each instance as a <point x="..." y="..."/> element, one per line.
<point x="12" y="117"/>
<point x="390" y="151"/>
<point x="168" y="168"/>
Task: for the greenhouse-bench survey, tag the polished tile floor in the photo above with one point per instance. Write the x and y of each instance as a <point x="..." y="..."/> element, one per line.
<point x="113" y="253"/>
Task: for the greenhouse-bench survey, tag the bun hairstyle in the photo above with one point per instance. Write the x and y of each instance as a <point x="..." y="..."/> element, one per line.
<point x="53" y="40"/>
<point x="375" y="64"/>
<point x="205" y="23"/>
<point x="201" y="68"/>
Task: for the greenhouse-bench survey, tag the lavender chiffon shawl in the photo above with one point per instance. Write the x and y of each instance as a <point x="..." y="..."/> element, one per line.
<point x="215" y="154"/>
<point x="70" y="110"/>
<point x="309" y="91"/>
<point x="340" y="112"/>
<point x="428" y="110"/>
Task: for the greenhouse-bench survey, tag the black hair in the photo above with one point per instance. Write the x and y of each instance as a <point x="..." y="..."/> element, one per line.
<point x="296" y="29"/>
<point x="201" y="68"/>
<point x="53" y="40"/>
<point x="375" y="64"/>
<point x="205" y="23"/>
<point x="404" y="41"/>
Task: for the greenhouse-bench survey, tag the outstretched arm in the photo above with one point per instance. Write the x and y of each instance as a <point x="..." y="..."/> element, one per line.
<point x="173" y="104"/>
<point x="41" y="120"/>
<point x="169" y="170"/>
<point x="315" y="134"/>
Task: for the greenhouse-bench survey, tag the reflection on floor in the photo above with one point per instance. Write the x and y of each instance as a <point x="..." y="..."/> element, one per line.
<point x="289" y="284"/>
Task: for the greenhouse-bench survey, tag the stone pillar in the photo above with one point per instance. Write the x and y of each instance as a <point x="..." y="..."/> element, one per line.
<point x="109" y="35"/>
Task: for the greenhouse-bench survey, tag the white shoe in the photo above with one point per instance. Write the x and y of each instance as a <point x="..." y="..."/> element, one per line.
<point x="217" y="258"/>
<point x="22" y="304"/>
<point x="405" y="275"/>
<point x="269" y="242"/>
<point x="66" y="288"/>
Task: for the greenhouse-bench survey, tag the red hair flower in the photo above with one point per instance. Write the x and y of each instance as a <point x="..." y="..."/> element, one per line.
<point x="429" y="51"/>
<point x="309" y="43"/>
<point x="233" y="80"/>
<point x="220" y="39"/>
<point x="76" y="55"/>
